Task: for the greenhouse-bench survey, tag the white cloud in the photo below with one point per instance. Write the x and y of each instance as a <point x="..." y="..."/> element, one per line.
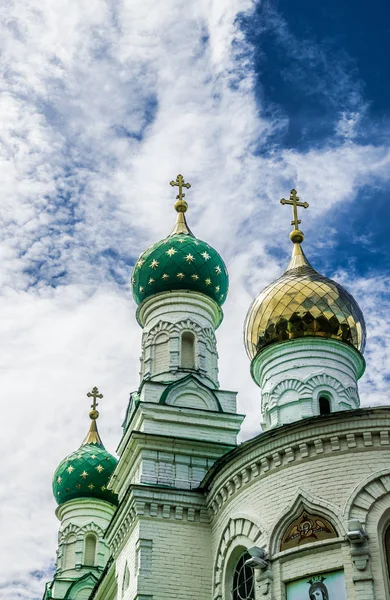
<point x="85" y="171"/>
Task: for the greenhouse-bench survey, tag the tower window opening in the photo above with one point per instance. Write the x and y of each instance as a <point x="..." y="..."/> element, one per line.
<point x="324" y="404"/>
<point x="90" y="550"/>
<point x="188" y="350"/>
<point x="243" y="580"/>
<point x="69" y="560"/>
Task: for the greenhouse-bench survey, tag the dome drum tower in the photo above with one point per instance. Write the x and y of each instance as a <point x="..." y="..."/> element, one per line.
<point x="305" y="335"/>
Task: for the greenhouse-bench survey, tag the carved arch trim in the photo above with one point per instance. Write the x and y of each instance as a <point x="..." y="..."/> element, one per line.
<point x="93" y="528"/>
<point x="71" y="528"/>
<point x="241" y="525"/>
<point x="313" y="504"/>
<point x="365" y="494"/>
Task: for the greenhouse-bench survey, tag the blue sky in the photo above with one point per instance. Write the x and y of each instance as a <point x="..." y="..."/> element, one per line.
<point x="101" y="105"/>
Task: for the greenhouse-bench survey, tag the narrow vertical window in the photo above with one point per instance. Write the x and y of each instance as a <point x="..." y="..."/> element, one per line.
<point x="161" y="353"/>
<point x="90" y="550"/>
<point x="188" y="350"/>
<point x="126" y="578"/>
<point x="324" y="404"/>
<point x="387" y="550"/>
<point x="243" y="580"/>
<point x="69" y="560"/>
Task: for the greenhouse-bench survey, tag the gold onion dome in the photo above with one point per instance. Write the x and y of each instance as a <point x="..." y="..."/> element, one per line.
<point x="302" y="303"/>
<point x="180" y="262"/>
<point x="86" y="472"/>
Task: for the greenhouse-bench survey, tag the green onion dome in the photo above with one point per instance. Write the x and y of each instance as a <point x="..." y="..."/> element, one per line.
<point x="86" y="472"/>
<point x="180" y="262"/>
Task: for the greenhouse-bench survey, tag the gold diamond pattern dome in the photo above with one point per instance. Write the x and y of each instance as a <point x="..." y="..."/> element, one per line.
<point x="303" y="303"/>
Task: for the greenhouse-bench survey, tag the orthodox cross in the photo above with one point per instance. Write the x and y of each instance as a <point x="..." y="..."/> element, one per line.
<point x="180" y="184"/>
<point x="294" y="201"/>
<point x="94" y="394"/>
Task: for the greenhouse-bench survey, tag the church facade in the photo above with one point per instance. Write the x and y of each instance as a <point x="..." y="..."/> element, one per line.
<point x="301" y="511"/>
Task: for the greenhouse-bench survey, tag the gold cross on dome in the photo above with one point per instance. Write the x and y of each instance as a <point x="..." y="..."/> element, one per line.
<point x="294" y="202"/>
<point x="94" y="394"/>
<point x="180" y="184"/>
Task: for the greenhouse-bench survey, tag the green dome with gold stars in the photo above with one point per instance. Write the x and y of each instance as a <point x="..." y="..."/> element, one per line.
<point x="180" y="262"/>
<point x="86" y="472"/>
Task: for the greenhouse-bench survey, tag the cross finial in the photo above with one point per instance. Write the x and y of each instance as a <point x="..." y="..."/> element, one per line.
<point x="94" y="394"/>
<point x="296" y="236"/>
<point x="181" y="205"/>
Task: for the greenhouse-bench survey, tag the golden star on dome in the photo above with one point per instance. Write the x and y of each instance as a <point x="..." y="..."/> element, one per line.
<point x="195" y="277"/>
<point x="78" y="486"/>
<point x="208" y="281"/>
<point x="103" y="488"/>
<point x="217" y="288"/>
<point x="141" y="289"/>
<point x="93" y="456"/>
<point x="84" y="474"/>
<point x="180" y="275"/>
<point x="205" y="255"/>
<point x="189" y="258"/>
<point x="165" y="276"/>
<point x="70" y="469"/>
<point x="154" y="264"/>
<point x="181" y="241"/>
<point x="218" y="270"/>
<point x="171" y="251"/>
<point x="99" y="468"/>
<point x="59" y="479"/>
<point x="79" y="456"/>
<point x="132" y="280"/>
<point x="151" y="280"/>
<point x="91" y="486"/>
<point x="140" y="262"/>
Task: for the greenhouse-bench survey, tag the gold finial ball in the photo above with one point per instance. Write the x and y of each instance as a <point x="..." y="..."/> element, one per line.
<point x="181" y="206"/>
<point x="297" y="236"/>
<point x="94" y="414"/>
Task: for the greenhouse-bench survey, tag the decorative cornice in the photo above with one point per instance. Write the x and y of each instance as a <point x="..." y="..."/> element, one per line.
<point x="346" y="431"/>
<point x="157" y="503"/>
<point x="179" y="298"/>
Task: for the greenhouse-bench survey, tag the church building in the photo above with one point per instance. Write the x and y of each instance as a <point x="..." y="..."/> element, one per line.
<point x="299" y="512"/>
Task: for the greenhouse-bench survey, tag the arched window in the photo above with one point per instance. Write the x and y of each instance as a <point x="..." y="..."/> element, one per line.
<point x="243" y="580"/>
<point x="387" y="549"/>
<point x="90" y="550"/>
<point x="188" y="350"/>
<point x="324" y="405"/>
<point x="69" y="559"/>
<point x="161" y="353"/>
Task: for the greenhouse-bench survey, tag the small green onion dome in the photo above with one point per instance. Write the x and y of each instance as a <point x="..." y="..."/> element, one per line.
<point x="86" y="472"/>
<point x="180" y="262"/>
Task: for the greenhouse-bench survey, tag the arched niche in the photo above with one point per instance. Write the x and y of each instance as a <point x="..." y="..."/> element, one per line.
<point x="306" y="528"/>
<point x="69" y="555"/>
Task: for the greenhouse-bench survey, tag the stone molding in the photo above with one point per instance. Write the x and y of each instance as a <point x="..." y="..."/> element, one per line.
<point x="239" y="525"/>
<point x="366" y="494"/>
<point x="291" y="444"/>
<point x="156" y="503"/>
<point x="306" y="388"/>
<point x="165" y="303"/>
<point x="77" y="530"/>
